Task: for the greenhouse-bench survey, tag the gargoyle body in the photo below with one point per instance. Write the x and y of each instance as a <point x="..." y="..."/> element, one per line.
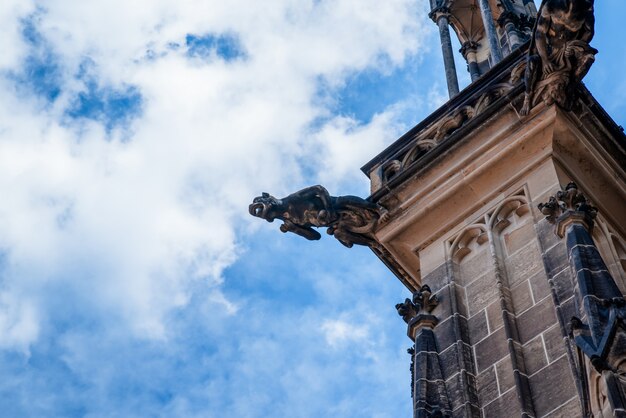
<point x="559" y="55"/>
<point x="350" y="219"/>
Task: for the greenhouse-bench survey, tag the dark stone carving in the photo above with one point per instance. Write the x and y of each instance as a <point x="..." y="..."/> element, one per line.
<point x="423" y="301"/>
<point x="407" y="310"/>
<point x="559" y="56"/>
<point x="566" y="205"/>
<point x="350" y="219"/>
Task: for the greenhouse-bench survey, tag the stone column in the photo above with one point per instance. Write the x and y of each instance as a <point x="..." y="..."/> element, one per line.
<point x="468" y="49"/>
<point x="440" y="16"/>
<point x="490" y="31"/>
<point x="507" y="20"/>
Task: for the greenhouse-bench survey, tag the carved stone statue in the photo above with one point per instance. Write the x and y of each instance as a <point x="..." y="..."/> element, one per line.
<point x="350" y="219"/>
<point x="559" y="55"/>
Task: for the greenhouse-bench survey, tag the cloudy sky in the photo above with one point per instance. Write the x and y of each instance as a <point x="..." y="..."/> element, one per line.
<point x="133" y="136"/>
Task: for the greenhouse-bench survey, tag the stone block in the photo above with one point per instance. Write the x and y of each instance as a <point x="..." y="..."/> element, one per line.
<point x="563" y="284"/>
<point x="475" y="265"/>
<point x="487" y="386"/>
<point x="467" y="411"/>
<point x="491" y="350"/>
<point x="555" y="259"/>
<point x="534" y="356"/>
<point x="504" y="370"/>
<point x="555" y="344"/>
<point x="570" y="409"/>
<point x="518" y="238"/>
<point x="546" y="233"/>
<point x="539" y="285"/>
<point x="552" y="386"/>
<point x="477" y="325"/>
<point x="437" y="279"/>
<point x="461" y="390"/>
<point x="525" y="395"/>
<point x="568" y="309"/>
<point x="521" y="295"/>
<point x="450" y="331"/>
<point x="506" y="405"/>
<point x="481" y="292"/>
<point x="445" y="334"/>
<point x="445" y="296"/>
<point x="461" y="302"/>
<point x="536" y="320"/>
<point x="494" y="315"/>
<point x="457" y="358"/>
<point x="524" y="263"/>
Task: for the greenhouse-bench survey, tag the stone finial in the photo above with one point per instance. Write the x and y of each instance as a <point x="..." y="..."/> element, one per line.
<point x="350" y="219"/>
<point x="423" y="302"/>
<point x="569" y="206"/>
<point x="407" y="310"/>
<point x="425" y="299"/>
<point x="417" y="312"/>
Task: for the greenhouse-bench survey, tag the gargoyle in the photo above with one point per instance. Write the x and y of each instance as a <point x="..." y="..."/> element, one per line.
<point x="559" y="55"/>
<point x="350" y="219"/>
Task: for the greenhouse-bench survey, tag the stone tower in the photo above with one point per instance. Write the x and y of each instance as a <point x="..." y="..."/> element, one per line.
<point x="504" y="214"/>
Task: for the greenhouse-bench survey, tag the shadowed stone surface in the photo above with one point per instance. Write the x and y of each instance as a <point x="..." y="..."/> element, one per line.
<point x="552" y="386"/>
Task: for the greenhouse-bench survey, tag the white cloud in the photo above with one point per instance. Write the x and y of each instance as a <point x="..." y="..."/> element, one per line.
<point x="132" y="219"/>
<point x="338" y="332"/>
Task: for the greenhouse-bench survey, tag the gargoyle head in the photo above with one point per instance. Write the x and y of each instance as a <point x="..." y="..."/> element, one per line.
<point x="266" y="207"/>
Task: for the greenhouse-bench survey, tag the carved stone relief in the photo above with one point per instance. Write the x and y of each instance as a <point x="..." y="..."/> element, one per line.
<point x="434" y="134"/>
<point x="472" y="236"/>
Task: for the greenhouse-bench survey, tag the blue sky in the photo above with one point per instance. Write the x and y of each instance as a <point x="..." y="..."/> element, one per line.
<point x="133" y="282"/>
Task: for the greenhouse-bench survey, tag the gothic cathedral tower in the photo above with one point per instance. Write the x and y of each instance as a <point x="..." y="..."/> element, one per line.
<point x="504" y="214"/>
